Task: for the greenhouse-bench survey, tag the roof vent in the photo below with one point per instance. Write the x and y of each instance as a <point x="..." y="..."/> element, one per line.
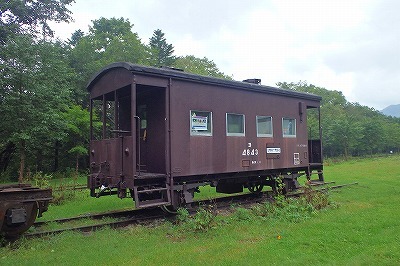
<point x="172" y="68"/>
<point x="254" y="81"/>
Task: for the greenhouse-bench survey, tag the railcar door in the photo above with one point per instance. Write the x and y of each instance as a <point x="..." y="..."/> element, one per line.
<point x="150" y="110"/>
<point x="150" y="184"/>
<point x="141" y="154"/>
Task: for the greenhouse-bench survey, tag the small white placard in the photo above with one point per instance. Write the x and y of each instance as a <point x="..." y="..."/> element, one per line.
<point x="199" y="122"/>
<point x="274" y="150"/>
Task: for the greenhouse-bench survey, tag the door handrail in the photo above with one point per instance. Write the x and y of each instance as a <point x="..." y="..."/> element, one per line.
<point x="138" y="119"/>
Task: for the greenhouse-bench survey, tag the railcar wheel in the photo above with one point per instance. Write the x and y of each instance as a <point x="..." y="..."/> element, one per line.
<point x="256" y="188"/>
<point x="12" y="228"/>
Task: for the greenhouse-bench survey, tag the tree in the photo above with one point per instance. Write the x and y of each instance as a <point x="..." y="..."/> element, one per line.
<point x="108" y="41"/>
<point x="75" y="38"/>
<point x="200" y="66"/>
<point x="161" y="53"/>
<point x="35" y="79"/>
<point x="32" y="17"/>
<point x="349" y="128"/>
<point x="328" y="96"/>
<point x="77" y="126"/>
<point x="392" y="136"/>
<point x="32" y="88"/>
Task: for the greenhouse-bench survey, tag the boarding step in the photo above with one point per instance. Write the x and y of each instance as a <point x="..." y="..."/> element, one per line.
<point x="152" y="203"/>
<point x="151" y="190"/>
<point x="145" y="175"/>
<point x="318" y="172"/>
<point x="151" y="197"/>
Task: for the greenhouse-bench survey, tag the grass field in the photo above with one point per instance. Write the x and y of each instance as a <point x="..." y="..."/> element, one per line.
<point x="363" y="230"/>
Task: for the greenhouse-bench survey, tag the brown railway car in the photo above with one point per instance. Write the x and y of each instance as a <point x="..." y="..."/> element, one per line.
<point x="159" y="134"/>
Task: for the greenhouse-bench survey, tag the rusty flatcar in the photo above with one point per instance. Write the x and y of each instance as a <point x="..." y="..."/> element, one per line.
<point x="158" y="134"/>
<point x="19" y="206"/>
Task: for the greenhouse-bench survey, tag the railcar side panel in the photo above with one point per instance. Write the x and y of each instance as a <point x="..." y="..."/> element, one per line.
<point x="219" y="153"/>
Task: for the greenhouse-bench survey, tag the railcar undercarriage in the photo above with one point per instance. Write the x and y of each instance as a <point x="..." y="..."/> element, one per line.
<point x="20" y="204"/>
<point x="150" y="190"/>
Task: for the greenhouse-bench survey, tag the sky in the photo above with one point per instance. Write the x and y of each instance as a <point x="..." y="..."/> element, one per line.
<point x="349" y="46"/>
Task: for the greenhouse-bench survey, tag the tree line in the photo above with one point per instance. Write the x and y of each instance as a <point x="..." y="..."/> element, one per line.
<point x="44" y="123"/>
<point x="348" y="128"/>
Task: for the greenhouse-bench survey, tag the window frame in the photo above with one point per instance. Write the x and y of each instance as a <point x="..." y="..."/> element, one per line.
<point x="295" y="128"/>
<point x="230" y="134"/>
<point x="201" y="132"/>
<point x="262" y="135"/>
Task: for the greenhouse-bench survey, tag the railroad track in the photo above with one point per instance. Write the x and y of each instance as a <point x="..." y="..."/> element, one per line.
<point x="299" y="193"/>
<point x="119" y="218"/>
<point x="129" y="217"/>
<point x="143" y="216"/>
<point x="69" y="187"/>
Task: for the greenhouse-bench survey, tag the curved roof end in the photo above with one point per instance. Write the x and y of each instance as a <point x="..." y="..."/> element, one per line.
<point x="107" y="68"/>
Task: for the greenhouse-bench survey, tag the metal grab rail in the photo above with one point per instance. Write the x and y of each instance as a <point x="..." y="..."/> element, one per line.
<point x="138" y="119"/>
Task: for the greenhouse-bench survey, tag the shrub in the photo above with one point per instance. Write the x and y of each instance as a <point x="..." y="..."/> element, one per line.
<point x="318" y="199"/>
<point x="41" y="180"/>
<point x="62" y="194"/>
<point x="182" y="216"/>
<point x="203" y="220"/>
<point x="291" y="209"/>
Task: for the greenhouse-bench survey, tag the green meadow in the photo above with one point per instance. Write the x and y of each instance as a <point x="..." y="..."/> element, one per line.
<point x="360" y="227"/>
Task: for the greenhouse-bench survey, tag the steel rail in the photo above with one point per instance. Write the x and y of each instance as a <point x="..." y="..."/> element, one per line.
<point x="88" y="228"/>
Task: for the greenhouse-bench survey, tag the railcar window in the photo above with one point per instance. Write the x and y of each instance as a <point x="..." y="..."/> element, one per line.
<point x="200" y="123"/>
<point x="110" y="119"/>
<point x="235" y="125"/>
<point x="142" y="113"/>
<point x="289" y="127"/>
<point x="103" y="119"/>
<point x="264" y="126"/>
<point x="97" y="119"/>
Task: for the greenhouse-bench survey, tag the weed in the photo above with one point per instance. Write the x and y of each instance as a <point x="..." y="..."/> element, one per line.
<point x="290" y="209"/>
<point x="62" y="194"/>
<point x="295" y="210"/>
<point x="203" y="220"/>
<point x="182" y="216"/>
<point x="260" y="210"/>
<point x="41" y="180"/>
<point x="318" y="199"/>
<point x="243" y="214"/>
<point x="3" y="241"/>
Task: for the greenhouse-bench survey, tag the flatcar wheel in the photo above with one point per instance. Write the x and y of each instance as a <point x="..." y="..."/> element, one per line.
<point x="13" y="230"/>
<point x="256" y="188"/>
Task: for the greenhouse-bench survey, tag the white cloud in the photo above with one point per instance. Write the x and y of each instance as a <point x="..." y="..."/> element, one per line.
<point x="341" y="45"/>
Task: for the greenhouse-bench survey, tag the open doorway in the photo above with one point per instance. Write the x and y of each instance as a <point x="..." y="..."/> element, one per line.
<point x="314" y="138"/>
<point x="150" y="110"/>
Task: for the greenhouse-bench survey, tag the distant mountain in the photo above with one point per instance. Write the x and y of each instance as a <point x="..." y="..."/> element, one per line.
<point x="393" y="110"/>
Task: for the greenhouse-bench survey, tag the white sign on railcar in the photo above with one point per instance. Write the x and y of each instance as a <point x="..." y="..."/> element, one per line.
<point x="199" y="122"/>
<point x="273" y="150"/>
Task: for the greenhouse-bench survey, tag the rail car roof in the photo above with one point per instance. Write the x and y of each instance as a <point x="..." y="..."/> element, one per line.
<point x="181" y="75"/>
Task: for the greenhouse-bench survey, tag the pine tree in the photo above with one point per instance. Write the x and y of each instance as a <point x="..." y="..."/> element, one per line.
<point x="160" y="51"/>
